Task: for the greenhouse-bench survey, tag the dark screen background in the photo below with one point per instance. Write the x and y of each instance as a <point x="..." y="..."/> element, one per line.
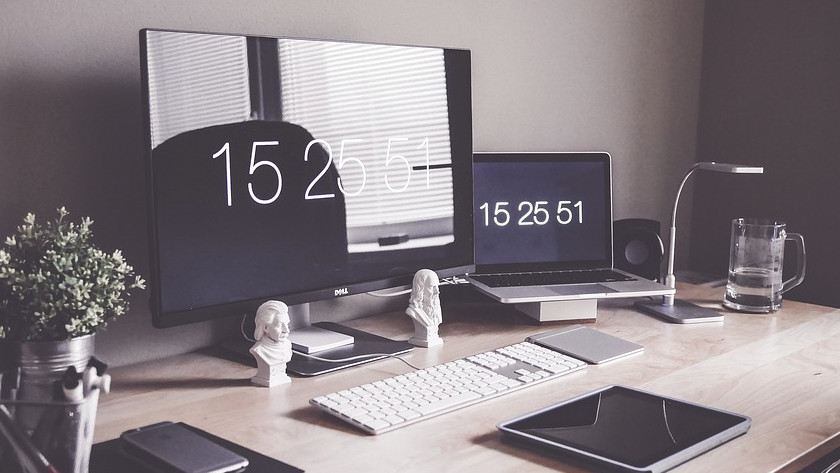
<point x="546" y="180"/>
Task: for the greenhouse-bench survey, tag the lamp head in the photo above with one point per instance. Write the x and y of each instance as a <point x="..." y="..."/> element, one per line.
<point x="730" y="168"/>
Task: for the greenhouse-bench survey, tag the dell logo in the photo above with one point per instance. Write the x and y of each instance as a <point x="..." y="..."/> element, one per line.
<point x="341" y="292"/>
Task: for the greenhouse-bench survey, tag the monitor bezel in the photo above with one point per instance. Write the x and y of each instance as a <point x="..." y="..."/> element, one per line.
<point x="463" y="203"/>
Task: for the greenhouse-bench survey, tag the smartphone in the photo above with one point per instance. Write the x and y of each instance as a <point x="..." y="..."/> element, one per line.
<point x="176" y="448"/>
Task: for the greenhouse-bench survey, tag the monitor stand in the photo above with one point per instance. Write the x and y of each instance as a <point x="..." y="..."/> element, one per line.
<point x="366" y="347"/>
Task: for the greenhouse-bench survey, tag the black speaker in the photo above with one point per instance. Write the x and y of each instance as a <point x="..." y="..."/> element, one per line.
<point x="637" y="247"/>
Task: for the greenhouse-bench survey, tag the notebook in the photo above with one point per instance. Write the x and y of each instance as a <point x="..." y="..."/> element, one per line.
<point x="543" y="229"/>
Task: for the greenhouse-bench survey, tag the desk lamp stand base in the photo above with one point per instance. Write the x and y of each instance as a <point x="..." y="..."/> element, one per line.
<point x="682" y="312"/>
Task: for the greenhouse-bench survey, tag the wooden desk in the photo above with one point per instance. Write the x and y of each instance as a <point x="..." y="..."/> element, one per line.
<point x="783" y="370"/>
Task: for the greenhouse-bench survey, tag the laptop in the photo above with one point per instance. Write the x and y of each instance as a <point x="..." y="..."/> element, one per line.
<point x="543" y="229"/>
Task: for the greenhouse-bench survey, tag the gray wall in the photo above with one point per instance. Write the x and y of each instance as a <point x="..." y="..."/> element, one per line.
<point x="620" y="76"/>
<point x="771" y="96"/>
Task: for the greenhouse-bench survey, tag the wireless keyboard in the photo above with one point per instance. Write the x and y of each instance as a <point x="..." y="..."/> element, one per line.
<point x="408" y="398"/>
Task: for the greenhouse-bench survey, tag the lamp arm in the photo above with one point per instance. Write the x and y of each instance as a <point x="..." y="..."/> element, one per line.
<point x="673" y="229"/>
<point x="670" y="278"/>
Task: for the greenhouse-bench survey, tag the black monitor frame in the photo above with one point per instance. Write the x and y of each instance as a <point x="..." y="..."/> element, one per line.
<point x="459" y="260"/>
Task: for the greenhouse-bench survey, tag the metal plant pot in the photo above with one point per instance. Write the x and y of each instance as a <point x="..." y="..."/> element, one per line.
<point x="41" y="365"/>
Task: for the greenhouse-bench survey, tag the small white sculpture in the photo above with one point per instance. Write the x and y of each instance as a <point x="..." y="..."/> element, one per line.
<point x="424" y="309"/>
<point x="273" y="348"/>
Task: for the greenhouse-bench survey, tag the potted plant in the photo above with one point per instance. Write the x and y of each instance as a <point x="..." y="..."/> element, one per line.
<point x="57" y="289"/>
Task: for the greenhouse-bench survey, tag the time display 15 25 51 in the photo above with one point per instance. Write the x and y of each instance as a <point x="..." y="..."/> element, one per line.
<point x="525" y="213"/>
<point x="394" y="164"/>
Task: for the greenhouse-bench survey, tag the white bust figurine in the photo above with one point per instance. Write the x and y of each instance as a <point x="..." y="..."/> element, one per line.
<point x="424" y="309"/>
<point x="273" y="348"/>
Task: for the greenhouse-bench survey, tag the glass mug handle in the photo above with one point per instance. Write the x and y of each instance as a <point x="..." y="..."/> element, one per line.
<point x="800" y="262"/>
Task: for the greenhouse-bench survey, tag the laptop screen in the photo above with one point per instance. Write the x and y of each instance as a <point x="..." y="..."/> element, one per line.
<point x="542" y="211"/>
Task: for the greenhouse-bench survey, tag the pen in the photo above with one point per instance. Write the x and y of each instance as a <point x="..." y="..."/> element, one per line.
<point x="100" y="365"/>
<point x="22" y="444"/>
<point x="11" y="384"/>
<point x="94" y="376"/>
<point x="15" y="384"/>
<point x="71" y="385"/>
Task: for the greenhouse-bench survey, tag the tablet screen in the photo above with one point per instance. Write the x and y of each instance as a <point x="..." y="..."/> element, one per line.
<point x="628" y="426"/>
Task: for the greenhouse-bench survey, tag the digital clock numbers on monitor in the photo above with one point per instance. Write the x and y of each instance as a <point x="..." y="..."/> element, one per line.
<point x="397" y="169"/>
<point x="538" y="212"/>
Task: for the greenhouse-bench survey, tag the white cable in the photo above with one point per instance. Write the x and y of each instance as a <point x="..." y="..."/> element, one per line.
<point x="355" y="358"/>
<point x="242" y="329"/>
<point x="384" y="293"/>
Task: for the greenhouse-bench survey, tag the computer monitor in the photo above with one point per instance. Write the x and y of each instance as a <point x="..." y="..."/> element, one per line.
<point x="301" y="170"/>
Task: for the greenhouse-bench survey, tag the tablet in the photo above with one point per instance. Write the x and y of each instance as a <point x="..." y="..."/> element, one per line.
<point x="626" y="429"/>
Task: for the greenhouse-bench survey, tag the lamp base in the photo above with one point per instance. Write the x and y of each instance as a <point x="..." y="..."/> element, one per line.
<point x="682" y="312"/>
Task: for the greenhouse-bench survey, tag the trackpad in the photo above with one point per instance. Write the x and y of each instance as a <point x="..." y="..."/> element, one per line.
<point x="590" y="345"/>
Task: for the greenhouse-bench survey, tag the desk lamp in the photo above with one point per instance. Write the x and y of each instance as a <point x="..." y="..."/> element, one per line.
<point x="680" y="311"/>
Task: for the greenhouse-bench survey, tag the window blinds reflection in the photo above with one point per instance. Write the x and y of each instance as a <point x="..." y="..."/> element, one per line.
<point x="385" y="103"/>
<point x="195" y="81"/>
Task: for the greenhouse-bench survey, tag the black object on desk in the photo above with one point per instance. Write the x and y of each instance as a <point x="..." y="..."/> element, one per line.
<point x="625" y="429"/>
<point x="364" y="344"/>
<point x="173" y="446"/>
<point x="110" y="456"/>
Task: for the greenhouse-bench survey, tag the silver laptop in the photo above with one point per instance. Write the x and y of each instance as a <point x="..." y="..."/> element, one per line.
<point x="543" y="229"/>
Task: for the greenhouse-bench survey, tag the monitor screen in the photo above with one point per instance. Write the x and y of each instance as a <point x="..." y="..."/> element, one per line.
<point x="542" y="210"/>
<point x="301" y="170"/>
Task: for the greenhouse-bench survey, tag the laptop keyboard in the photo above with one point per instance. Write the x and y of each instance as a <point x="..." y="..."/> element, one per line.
<point x="550" y="278"/>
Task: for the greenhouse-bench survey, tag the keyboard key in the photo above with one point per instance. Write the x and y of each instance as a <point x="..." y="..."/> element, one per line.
<point x="443" y="404"/>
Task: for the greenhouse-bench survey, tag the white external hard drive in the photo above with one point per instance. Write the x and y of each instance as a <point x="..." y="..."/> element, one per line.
<point x="313" y="339"/>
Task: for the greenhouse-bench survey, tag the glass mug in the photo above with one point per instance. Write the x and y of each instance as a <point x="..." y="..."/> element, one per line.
<point x="756" y="259"/>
